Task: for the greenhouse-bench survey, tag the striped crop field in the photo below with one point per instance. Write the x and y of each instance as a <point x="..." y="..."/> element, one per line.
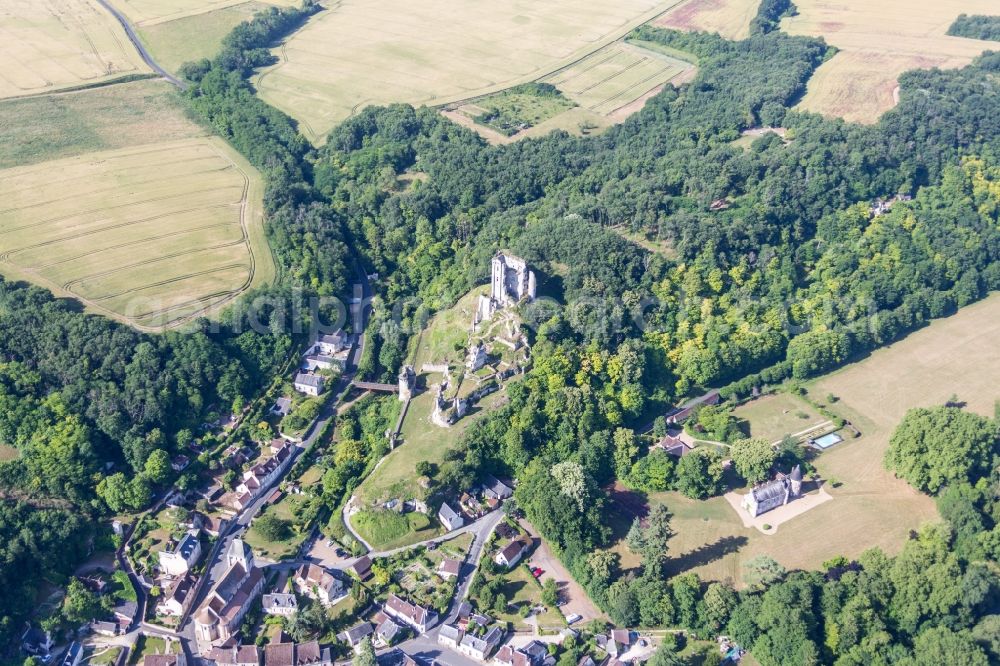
<point x="57" y="44"/>
<point x="151" y="235"/>
<point x="616" y="76"/>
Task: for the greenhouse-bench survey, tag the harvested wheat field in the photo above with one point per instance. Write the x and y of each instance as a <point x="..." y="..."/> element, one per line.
<point x="879" y="40"/>
<point x="365" y="52"/>
<point x="56" y="44"/>
<point x="729" y="18"/>
<point x="152" y="235"/>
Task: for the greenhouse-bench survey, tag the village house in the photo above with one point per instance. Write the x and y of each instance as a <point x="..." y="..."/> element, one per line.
<point x="279" y="654"/>
<point x="321" y="362"/>
<point x="772" y="494"/>
<point x="532" y="654"/>
<point x="211" y="525"/>
<point x="317" y="583"/>
<point x="536" y="651"/>
<point x="362" y="568"/>
<point x="264" y="474"/>
<point x="235" y="655"/>
<point x="331" y="343"/>
<point x="481" y="647"/>
<point x="415" y="616"/>
<point x="617" y="643"/>
<point x="180" y="462"/>
<point x="105" y="628"/>
<point x="449" y="569"/>
<point x="449" y="518"/>
<point x="296" y="654"/>
<point x="357" y="635"/>
<point x="125" y="611"/>
<point x="176" y="596"/>
<point x="281" y="406"/>
<point x="674" y="446"/>
<point x="309" y="384"/>
<point x="386" y="631"/>
<point x="450" y="636"/>
<point x="280" y="603"/>
<point x="311" y="654"/>
<point x="511" y="554"/>
<point x="226" y="604"/>
<point x="493" y="488"/>
<point x="36" y="642"/>
<point x="178" y="557"/>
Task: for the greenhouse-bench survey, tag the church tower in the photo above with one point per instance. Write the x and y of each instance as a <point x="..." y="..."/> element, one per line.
<point x="239" y="553"/>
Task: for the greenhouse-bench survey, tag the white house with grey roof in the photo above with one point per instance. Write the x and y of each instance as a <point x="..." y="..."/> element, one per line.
<point x="280" y="603"/>
<point x="178" y="557"/>
<point x="449" y="517"/>
<point x="309" y="384"/>
<point x="481" y="647"/>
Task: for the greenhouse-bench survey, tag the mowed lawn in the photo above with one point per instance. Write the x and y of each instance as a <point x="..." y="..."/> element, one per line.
<point x="368" y="52"/>
<point x="46" y="46"/>
<point x="151" y="235"/>
<point x="956" y="355"/>
<point x="774" y="416"/>
<point x="877" y="41"/>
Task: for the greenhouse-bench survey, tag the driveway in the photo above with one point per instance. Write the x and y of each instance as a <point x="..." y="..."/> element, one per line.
<point x="576" y="599"/>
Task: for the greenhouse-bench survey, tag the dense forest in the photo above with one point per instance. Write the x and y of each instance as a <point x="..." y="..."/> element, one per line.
<point x="773" y="266"/>
<point x="94" y="410"/>
<point x="976" y="27"/>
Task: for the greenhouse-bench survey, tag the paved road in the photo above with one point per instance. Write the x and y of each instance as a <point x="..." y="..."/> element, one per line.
<point x="215" y="570"/>
<point x="137" y="43"/>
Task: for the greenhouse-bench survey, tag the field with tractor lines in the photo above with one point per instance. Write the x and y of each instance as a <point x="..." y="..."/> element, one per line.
<point x="360" y="53"/>
<point x="152" y="235"/>
<point x="56" y="44"/>
<point x="616" y="76"/>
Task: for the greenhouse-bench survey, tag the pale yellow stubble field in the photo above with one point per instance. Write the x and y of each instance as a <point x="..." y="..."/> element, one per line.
<point x="878" y="40"/>
<point x="48" y="45"/>
<point x="365" y="52"/>
<point x="151" y="235"/>
<point x="729" y="18"/>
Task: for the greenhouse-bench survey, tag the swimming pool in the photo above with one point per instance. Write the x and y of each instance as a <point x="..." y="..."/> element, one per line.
<point x="826" y="441"/>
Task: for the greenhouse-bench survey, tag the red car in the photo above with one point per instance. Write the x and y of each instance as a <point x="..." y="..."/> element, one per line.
<point x="536" y="572"/>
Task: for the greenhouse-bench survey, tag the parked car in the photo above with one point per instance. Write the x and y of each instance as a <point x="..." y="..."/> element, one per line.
<point x="575" y="617"/>
<point x="536" y="572"/>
